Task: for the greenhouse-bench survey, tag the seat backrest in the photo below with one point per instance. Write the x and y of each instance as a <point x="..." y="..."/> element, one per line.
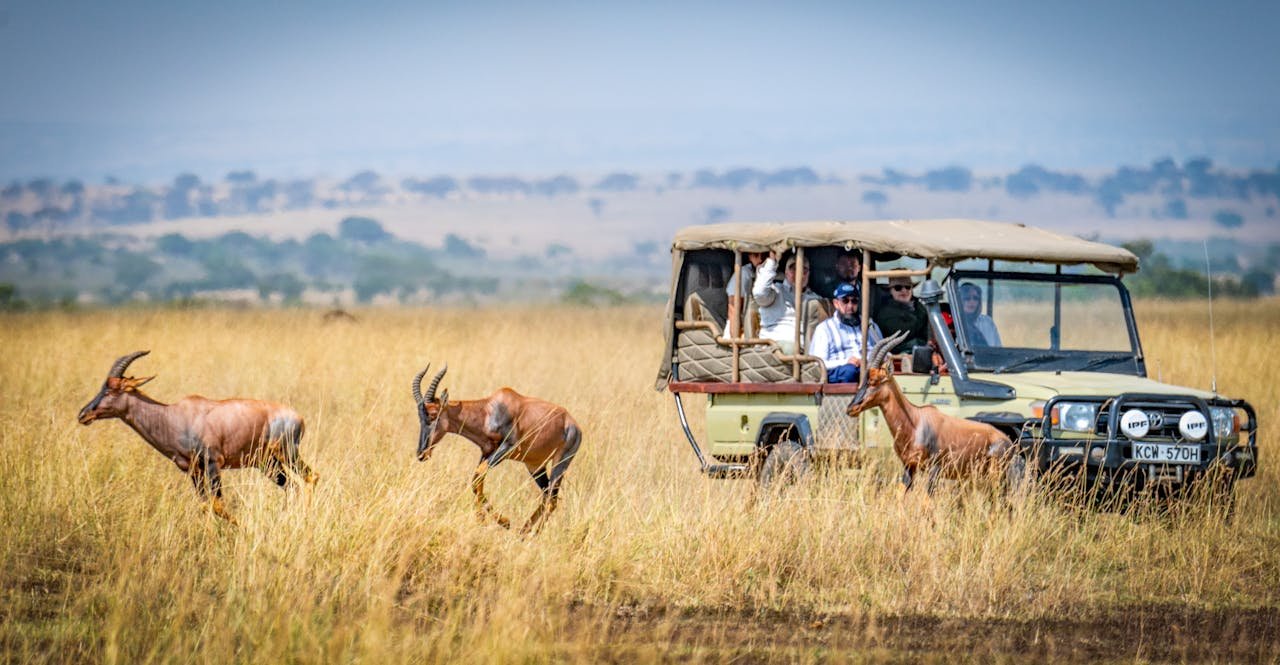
<point x="697" y="309"/>
<point x="815" y="312"/>
<point x="715" y="303"/>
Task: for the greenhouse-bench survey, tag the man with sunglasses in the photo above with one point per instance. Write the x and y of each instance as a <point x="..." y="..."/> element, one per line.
<point x="902" y="311"/>
<point x="838" y="340"/>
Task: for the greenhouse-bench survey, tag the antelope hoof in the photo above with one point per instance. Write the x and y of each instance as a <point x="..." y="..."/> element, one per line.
<point x="221" y="511"/>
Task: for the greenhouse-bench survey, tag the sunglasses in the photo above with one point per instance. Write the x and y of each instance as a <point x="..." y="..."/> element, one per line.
<point x="900" y="287"/>
<point x="849" y="299"/>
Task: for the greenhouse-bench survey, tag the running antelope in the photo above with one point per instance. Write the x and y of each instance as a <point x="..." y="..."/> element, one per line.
<point x="506" y="424"/>
<point x="204" y="436"/>
<point x="925" y="438"/>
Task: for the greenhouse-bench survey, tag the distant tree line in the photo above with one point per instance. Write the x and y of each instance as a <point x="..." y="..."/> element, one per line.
<point x="43" y="203"/>
<point x="1159" y="276"/>
<point x="112" y="269"/>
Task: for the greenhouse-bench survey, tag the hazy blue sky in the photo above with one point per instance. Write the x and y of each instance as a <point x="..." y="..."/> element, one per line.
<point x="147" y="89"/>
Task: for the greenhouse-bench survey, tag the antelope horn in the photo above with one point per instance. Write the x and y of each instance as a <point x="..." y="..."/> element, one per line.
<point x="435" y="381"/>
<point x="417" y="384"/>
<point x="882" y="348"/>
<point x="117" y="370"/>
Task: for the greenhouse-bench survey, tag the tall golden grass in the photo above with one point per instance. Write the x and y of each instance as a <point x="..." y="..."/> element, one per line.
<point x="106" y="555"/>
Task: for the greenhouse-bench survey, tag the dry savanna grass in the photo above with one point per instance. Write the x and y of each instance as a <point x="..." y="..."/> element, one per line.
<point x="106" y="555"/>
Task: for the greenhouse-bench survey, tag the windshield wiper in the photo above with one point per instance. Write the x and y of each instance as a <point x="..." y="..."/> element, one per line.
<point x="1099" y="362"/>
<point x="1028" y="361"/>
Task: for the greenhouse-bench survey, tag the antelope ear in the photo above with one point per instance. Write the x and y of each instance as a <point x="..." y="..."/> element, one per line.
<point x="444" y="398"/>
<point x="131" y="383"/>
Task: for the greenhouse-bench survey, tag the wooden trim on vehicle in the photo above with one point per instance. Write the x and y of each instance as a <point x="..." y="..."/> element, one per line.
<point x="741" y="388"/>
<point x="789" y="388"/>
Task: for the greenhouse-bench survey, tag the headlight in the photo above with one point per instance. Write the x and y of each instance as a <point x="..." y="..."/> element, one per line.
<point x="1076" y="416"/>
<point x="1225" y="421"/>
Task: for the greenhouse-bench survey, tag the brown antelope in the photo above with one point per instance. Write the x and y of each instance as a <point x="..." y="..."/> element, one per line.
<point x="925" y="438"/>
<point x="204" y="436"/>
<point x="505" y="424"/>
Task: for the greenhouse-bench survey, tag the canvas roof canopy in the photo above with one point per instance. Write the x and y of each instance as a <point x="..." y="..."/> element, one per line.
<point x="942" y="241"/>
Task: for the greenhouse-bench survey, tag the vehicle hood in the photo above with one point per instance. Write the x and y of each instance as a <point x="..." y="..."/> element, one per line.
<point x="1044" y="385"/>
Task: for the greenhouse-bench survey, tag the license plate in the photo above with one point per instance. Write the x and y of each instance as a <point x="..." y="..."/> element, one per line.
<point x="1166" y="453"/>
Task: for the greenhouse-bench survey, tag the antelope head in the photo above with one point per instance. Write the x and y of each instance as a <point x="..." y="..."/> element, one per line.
<point x="113" y="397"/>
<point x="879" y="374"/>
<point x="433" y="418"/>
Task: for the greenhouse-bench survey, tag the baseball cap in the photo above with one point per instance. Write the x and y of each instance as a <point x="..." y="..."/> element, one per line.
<point x="845" y="289"/>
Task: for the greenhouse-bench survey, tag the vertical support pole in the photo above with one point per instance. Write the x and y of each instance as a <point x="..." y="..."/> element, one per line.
<point x="991" y="267"/>
<point x="866" y="313"/>
<point x="801" y="318"/>
<point x="737" y="321"/>
<point x="1055" y="337"/>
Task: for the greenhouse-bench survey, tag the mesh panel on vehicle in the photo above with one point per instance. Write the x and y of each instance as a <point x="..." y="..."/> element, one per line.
<point x="835" y="429"/>
<point x="702" y="358"/>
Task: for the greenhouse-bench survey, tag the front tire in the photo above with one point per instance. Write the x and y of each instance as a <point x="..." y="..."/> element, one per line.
<point x="1017" y="477"/>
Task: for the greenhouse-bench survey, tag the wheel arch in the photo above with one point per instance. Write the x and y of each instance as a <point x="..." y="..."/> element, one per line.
<point x="775" y="427"/>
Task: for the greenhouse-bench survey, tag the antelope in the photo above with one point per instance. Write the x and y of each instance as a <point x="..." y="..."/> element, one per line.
<point x="923" y="437"/>
<point x="204" y="436"/>
<point x="505" y="424"/>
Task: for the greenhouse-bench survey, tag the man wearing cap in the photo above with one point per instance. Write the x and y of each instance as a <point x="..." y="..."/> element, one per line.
<point x="902" y="311"/>
<point x="777" y="300"/>
<point x="838" y="340"/>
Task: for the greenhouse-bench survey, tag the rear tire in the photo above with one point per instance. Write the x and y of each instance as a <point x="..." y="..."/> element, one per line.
<point x="788" y="462"/>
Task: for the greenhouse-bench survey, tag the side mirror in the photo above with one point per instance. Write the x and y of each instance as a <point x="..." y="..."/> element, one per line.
<point x="922" y="360"/>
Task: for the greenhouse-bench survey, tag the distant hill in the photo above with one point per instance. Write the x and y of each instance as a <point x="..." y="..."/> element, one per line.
<point x="371" y="236"/>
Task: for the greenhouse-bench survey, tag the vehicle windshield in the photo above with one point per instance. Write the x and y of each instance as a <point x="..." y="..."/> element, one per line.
<point x="1066" y="323"/>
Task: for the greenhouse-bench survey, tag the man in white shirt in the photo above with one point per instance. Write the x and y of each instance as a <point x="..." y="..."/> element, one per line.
<point x="777" y="300"/>
<point x="838" y="340"/>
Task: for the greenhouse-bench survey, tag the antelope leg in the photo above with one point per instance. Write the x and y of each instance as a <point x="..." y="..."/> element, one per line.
<point x="483" y="509"/>
<point x="501" y="453"/>
<point x="550" y="482"/>
<point x="208" y="481"/>
<point x="933" y="479"/>
<point x="547" y="502"/>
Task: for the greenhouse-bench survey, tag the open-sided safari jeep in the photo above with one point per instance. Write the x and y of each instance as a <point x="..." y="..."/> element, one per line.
<point x="1065" y="378"/>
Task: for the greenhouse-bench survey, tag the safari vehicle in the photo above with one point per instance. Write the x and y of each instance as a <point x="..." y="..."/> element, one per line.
<point x="1065" y="376"/>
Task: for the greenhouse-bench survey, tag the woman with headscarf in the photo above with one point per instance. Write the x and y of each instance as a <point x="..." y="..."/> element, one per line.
<point x="979" y="329"/>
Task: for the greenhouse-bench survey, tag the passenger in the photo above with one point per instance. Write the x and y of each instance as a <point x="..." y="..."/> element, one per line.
<point x="979" y="329"/>
<point x="838" y="340"/>
<point x="849" y="267"/>
<point x="738" y="297"/>
<point x="902" y="311"/>
<point x="777" y="300"/>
